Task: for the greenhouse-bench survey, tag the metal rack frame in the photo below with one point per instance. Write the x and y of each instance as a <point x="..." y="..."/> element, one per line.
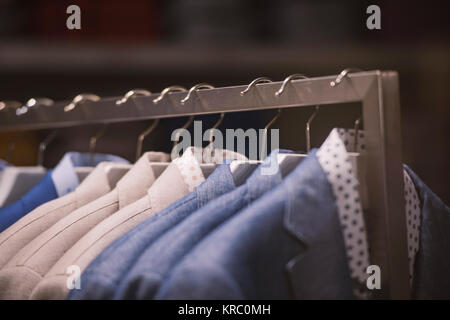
<point x="377" y="91"/>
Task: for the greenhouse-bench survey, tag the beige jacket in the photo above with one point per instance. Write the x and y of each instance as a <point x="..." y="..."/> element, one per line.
<point x="181" y="177"/>
<point x="24" y="271"/>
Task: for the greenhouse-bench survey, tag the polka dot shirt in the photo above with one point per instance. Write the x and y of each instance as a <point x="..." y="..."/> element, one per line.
<point x="189" y="163"/>
<point x="334" y="158"/>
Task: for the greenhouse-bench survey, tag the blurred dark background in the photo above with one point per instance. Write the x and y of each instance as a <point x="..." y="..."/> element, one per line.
<point x="154" y="44"/>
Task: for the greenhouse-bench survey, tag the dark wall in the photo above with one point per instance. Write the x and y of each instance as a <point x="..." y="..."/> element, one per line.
<point x="153" y="44"/>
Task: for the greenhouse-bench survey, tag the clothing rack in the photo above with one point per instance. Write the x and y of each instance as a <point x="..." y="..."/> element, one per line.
<point x="378" y="91"/>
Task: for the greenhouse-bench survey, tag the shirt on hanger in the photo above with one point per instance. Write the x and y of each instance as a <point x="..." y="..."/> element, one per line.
<point x="181" y="177"/>
<point x="101" y="277"/>
<point x="40" y="219"/>
<point x="17" y="181"/>
<point x="155" y="263"/>
<point x="26" y="268"/>
<point x="56" y="183"/>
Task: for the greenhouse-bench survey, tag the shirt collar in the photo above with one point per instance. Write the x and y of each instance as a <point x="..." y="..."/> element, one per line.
<point x="334" y="159"/>
<point x="64" y="176"/>
<point x="139" y="178"/>
<point x="189" y="163"/>
<point x="259" y="181"/>
<point x="219" y="182"/>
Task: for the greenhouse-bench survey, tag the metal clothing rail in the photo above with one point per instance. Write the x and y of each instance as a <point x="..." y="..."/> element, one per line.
<point x="378" y="91"/>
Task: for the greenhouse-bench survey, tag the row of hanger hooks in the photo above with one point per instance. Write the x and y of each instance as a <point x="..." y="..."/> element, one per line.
<point x="22" y="109"/>
<point x="132" y="94"/>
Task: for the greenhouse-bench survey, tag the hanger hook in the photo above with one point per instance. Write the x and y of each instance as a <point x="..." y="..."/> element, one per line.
<point x="294" y="76"/>
<point x="132" y="94"/>
<point x="185" y="126"/>
<point x="308" y="128"/>
<point x="342" y="75"/>
<point x="356" y="128"/>
<point x="215" y="126"/>
<point x="43" y="146"/>
<point x="93" y="142"/>
<point x="142" y="136"/>
<point x="166" y="91"/>
<point x="194" y="89"/>
<point x="81" y="98"/>
<point x="32" y="103"/>
<point x="254" y="83"/>
<point x="266" y="128"/>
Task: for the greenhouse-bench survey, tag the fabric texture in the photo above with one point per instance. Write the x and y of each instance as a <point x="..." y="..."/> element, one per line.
<point x="102" y="277"/>
<point x="17" y="181"/>
<point x="40" y="219"/>
<point x="152" y="267"/>
<point x="182" y="175"/>
<point x="44" y="191"/>
<point x="39" y="255"/>
<point x="431" y="271"/>
<point x="287" y="244"/>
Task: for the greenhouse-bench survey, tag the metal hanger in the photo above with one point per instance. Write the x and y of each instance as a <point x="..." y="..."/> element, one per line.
<point x="114" y="171"/>
<point x="356" y="129"/>
<point x="168" y="90"/>
<point x="191" y="91"/>
<point x="79" y="99"/>
<point x="143" y="135"/>
<point x="33" y="103"/>
<point x="308" y="129"/>
<point x="43" y="146"/>
<point x="178" y="133"/>
<point x="286" y="81"/>
<point x="254" y="83"/>
<point x="240" y="169"/>
<point x="132" y="94"/>
<point x="264" y="140"/>
<point x="194" y="89"/>
<point x="93" y="142"/>
<point x="342" y="75"/>
<point x="210" y="148"/>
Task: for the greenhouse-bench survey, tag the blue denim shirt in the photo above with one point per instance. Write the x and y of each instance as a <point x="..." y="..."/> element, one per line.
<point x="102" y="277"/>
<point x="153" y="266"/>
<point x="432" y="265"/>
<point x="54" y="184"/>
<point x="287" y="244"/>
